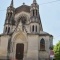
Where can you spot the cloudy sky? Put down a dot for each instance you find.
(49, 13)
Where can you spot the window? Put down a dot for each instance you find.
(33, 28)
(11, 13)
(36, 28)
(8, 29)
(42, 45)
(8, 14)
(33, 12)
(36, 12)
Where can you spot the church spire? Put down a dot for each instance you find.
(11, 3)
(34, 1)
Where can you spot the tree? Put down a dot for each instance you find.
(57, 51)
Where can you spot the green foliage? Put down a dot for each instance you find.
(57, 51)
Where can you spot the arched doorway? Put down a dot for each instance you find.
(19, 46)
(19, 51)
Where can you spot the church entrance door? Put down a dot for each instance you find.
(19, 51)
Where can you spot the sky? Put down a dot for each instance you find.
(49, 13)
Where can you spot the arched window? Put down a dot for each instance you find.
(36, 28)
(33, 28)
(11, 13)
(8, 29)
(36, 12)
(33, 12)
(8, 14)
(42, 45)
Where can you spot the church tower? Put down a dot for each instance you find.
(9, 21)
(35, 21)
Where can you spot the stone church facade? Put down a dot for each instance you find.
(23, 37)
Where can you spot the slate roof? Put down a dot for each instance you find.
(22, 8)
(42, 33)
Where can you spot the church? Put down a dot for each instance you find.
(23, 37)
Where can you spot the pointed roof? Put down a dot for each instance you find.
(11, 3)
(34, 1)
